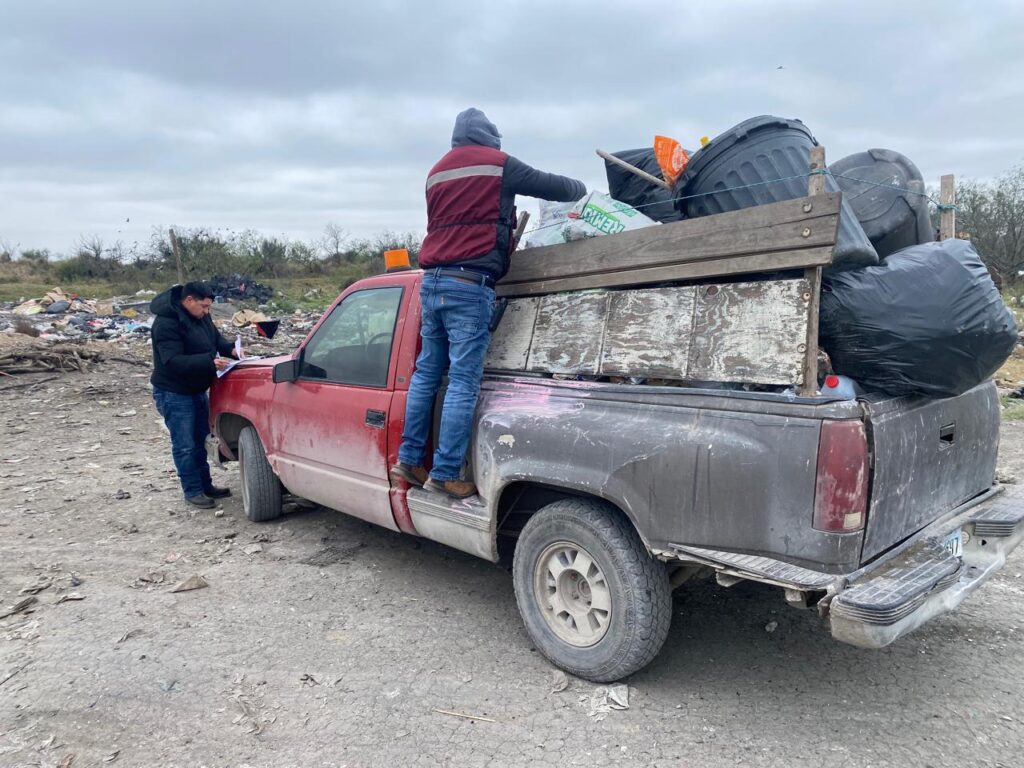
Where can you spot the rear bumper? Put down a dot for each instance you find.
(894, 596)
(903, 588)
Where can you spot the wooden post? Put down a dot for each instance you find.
(947, 215)
(177, 258)
(815, 186)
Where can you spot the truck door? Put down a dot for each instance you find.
(329, 426)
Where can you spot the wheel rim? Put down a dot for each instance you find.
(245, 485)
(573, 594)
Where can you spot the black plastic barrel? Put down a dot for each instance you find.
(895, 214)
(773, 154)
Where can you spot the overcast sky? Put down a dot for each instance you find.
(118, 116)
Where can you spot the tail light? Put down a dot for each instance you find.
(841, 488)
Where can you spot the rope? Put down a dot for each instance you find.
(818, 172)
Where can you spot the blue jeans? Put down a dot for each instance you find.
(454, 327)
(188, 419)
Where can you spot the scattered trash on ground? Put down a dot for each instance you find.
(606, 699)
(69, 597)
(19, 607)
(194, 581)
(464, 716)
(771, 626)
(559, 681)
(43, 582)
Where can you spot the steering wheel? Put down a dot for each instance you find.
(385, 334)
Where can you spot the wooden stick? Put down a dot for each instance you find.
(947, 216)
(634, 170)
(177, 257)
(809, 388)
(524, 218)
(459, 714)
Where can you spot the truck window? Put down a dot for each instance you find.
(353, 346)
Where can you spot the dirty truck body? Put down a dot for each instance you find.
(879, 513)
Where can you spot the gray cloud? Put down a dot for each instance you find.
(287, 116)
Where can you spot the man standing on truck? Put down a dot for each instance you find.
(187, 351)
(471, 217)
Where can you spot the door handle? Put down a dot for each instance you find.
(376, 419)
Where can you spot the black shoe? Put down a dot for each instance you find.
(202, 501)
(217, 493)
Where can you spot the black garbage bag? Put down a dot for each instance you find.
(238, 286)
(654, 201)
(928, 320)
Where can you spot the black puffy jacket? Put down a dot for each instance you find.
(183, 347)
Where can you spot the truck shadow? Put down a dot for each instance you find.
(720, 639)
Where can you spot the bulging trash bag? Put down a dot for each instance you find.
(656, 202)
(928, 320)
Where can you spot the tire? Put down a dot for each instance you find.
(600, 561)
(261, 490)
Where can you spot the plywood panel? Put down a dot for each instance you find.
(510, 343)
(647, 333)
(568, 333)
(750, 332)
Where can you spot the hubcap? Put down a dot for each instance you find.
(572, 593)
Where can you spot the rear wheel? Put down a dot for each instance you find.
(261, 490)
(593, 600)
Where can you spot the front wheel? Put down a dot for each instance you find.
(593, 600)
(261, 489)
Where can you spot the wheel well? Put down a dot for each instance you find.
(229, 427)
(519, 502)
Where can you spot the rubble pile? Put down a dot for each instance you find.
(56, 332)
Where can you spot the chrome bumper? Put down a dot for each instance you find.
(905, 587)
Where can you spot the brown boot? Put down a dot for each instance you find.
(460, 489)
(412, 475)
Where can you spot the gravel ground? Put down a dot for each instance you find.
(323, 641)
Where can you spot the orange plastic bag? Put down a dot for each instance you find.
(671, 157)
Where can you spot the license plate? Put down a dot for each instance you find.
(954, 544)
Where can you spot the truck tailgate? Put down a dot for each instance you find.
(929, 456)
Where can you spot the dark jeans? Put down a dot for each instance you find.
(455, 322)
(188, 419)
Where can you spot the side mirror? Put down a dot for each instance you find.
(286, 371)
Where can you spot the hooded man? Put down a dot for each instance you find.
(470, 223)
(186, 358)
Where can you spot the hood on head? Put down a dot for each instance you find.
(167, 303)
(473, 127)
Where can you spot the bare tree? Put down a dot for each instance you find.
(992, 216)
(91, 246)
(7, 250)
(333, 240)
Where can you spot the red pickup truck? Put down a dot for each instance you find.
(879, 512)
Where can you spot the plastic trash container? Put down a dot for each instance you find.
(892, 218)
(773, 150)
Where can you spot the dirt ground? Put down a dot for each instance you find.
(323, 641)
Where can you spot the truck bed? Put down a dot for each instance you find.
(732, 470)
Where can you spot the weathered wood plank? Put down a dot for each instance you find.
(947, 216)
(647, 333)
(510, 344)
(777, 227)
(568, 333)
(751, 332)
(739, 265)
(809, 379)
